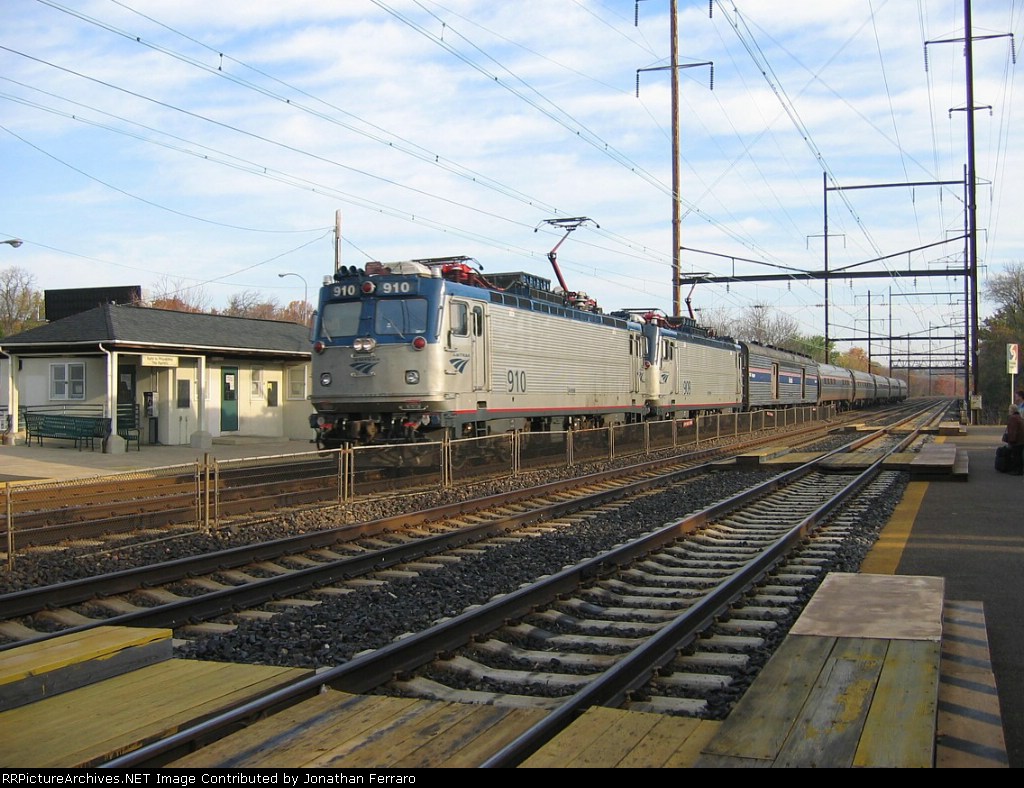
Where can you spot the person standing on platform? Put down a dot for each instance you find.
(1018, 400)
(1015, 440)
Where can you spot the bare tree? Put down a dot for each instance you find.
(251, 304)
(718, 320)
(20, 303)
(767, 326)
(175, 294)
(295, 312)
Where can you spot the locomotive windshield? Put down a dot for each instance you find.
(402, 316)
(340, 319)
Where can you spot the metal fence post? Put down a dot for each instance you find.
(199, 495)
(346, 461)
(446, 460)
(216, 492)
(10, 526)
(206, 491)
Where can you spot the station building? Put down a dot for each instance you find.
(187, 378)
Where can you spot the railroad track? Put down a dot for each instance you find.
(654, 596)
(192, 495)
(204, 587)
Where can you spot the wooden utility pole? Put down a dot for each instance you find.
(677, 219)
(677, 211)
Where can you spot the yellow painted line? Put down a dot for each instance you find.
(888, 550)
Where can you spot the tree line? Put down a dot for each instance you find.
(1005, 326)
(22, 306)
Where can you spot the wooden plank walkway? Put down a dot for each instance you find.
(338, 730)
(616, 739)
(969, 726)
(935, 461)
(49, 667)
(96, 723)
(855, 683)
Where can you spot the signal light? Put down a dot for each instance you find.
(368, 287)
(319, 346)
(419, 343)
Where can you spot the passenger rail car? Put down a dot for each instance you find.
(777, 378)
(409, 349)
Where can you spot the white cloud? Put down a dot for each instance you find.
(562, 129)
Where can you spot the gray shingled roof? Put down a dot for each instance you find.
(116, 324)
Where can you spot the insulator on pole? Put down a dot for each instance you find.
(926, 58)
(712, 85)
(638, 83)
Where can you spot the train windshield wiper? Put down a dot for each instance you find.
(390, 324)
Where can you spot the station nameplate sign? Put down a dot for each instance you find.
(149, 360)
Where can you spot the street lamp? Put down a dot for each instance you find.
(305, 292)
(15, 242)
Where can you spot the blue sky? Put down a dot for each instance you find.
(208, 145)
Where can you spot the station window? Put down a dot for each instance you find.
(184, 393)
(257, 384)
(297, 382)
(67, 381)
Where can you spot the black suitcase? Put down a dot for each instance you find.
(1003, 459)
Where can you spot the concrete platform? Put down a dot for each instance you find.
(21, 463)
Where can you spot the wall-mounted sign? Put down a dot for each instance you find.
(149, 360)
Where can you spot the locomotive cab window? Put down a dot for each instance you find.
(340, 319)
(458, 317)
(401, 317)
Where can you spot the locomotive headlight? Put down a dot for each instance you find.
(325, 378)
(364, 344)
(412, 376)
